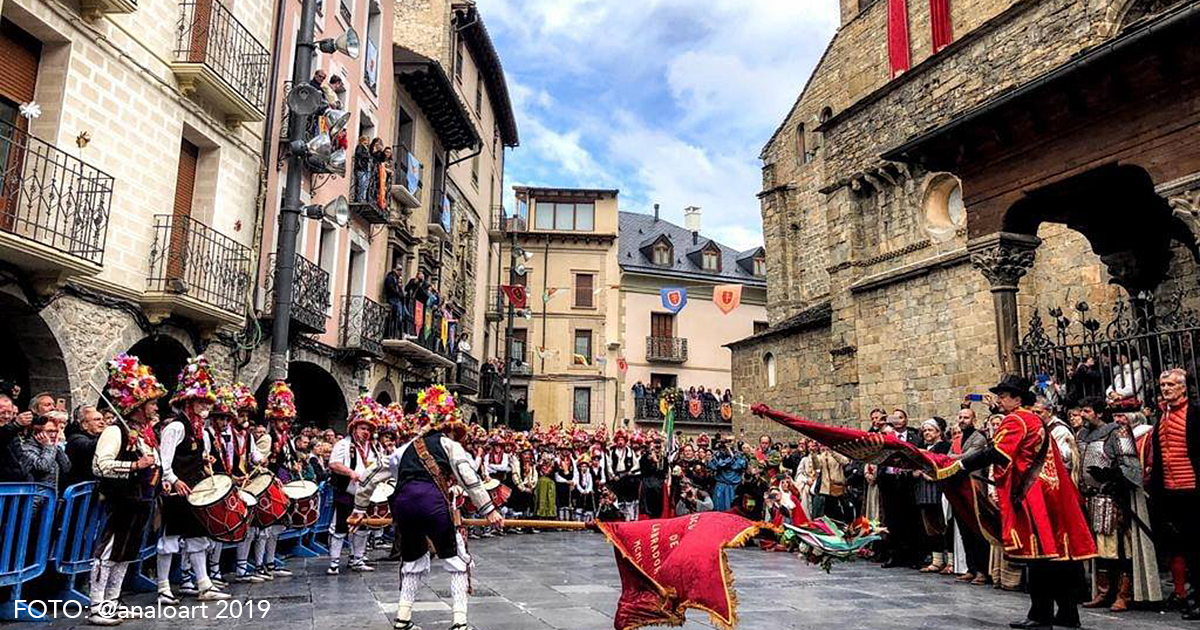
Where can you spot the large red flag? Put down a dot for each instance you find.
(967, 496)
(670, 565)
(516, 294)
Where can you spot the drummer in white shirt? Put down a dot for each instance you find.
(350, 460)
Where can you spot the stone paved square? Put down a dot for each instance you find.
(569, 581)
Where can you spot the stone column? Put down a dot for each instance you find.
(1003, 258)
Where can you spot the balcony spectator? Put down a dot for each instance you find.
(639, 390)
(82, 435)
(362, 169)
(727, 396)
(331, 89)
(393, 293)
(41, 458)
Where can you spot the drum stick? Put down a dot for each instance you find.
(116, 414)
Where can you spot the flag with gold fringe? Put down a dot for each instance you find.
(670, 565)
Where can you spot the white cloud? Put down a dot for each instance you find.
(668, 100)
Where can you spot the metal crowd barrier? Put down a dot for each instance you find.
(38, 531)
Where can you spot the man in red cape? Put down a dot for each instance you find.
(1041, 518)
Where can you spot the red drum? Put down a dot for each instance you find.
(306, 503)
(498, 491)
(272, 502)
(380, 510)
(221, 510)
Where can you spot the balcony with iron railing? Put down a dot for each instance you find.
(521, 365)
(310, 295)
(648, 409)
(497, 308)
(666, 349)
(407, 184)
(501, 224)
(426, 337)
(54, 209)
(196, 272)
(466, 375)
(441, 216)
(491, 384)
(93, 9)
(219, 59)
(363, 326)
(369, 193)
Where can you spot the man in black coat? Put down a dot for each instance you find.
(11, 426)
(393, 292)
(82, 435)
(897, 493)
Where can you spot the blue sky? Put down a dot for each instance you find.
(669, 101)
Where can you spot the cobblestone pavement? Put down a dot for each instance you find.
(568, 581)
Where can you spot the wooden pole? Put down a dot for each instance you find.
(377, 523)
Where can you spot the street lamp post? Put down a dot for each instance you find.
(508, 358)
(290, 209)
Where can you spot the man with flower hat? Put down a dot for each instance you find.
(227, 458)
(242, 450)
(186, 462)
(423, 511)
(127, 467)
(280, 459)
(349, 462)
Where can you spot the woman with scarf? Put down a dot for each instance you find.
(938, 535)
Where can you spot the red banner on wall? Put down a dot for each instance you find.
(897, 36)
(940, 24)
(670, 565)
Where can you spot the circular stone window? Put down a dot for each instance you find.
(943, 206)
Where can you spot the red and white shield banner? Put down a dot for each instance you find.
(516, 294)
(727, 296)
(695, 408)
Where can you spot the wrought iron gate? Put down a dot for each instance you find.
(1119, 360)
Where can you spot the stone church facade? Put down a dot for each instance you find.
(917, 218)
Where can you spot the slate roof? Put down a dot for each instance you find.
(817, 316)
(637, 230)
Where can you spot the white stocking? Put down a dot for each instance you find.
(243, 552)
(200, 569)
(163, 561)
(100, 573)
(459, 582)
(269, 555)
(358, 546)
(116, 578)
(335, 548)
(260, 547)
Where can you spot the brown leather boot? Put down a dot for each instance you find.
(1103, 590)
(1124, 593)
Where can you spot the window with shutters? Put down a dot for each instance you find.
(181, 213)
(712, 260)
(583, 347)
(479, 93)
(584, 292)
(458, 60)
(662, 255)
(20, 53)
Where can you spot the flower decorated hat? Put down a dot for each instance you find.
(281, 402)
(131, 384)
(195, 382)
(227, 402)
(245, 398)
(366, 411)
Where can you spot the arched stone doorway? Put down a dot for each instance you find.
(166, 356)
(384, 398)
(319, 399)
(32, 358)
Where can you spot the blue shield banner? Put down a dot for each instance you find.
(674, 299)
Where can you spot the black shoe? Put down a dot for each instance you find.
(1029, 624)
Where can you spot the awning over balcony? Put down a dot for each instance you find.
(427, 84)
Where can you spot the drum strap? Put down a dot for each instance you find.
(439, 479)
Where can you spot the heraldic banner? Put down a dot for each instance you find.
(670, 565)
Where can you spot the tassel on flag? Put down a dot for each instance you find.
(727, 297)
(516, 294)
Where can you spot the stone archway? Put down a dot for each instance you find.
(166, 357)
(320, 401)
(33, 359)
(384, 392)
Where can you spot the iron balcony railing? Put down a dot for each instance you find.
(521, 365)
(440, 211)
(504, 223)
(491, 383)
(370, 192)
(666, 349)
(648, 407)
(209, 34)
(363, 324)
(191, 258)
(310, 294)
(466, 374)
(51, 197)
(428, 328)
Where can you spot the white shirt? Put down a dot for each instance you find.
(341, 455)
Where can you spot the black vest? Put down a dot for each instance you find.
(412, 469)
(188, 464)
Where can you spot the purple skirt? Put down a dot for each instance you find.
(422, 517)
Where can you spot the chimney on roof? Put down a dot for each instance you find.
(656, 212)
(691, 221)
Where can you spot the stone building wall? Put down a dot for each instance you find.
(803, 385)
